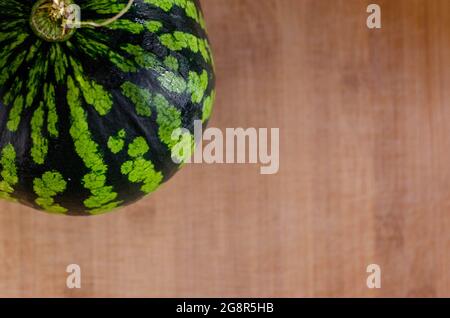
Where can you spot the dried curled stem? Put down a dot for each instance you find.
(109, 21)
(59, 10)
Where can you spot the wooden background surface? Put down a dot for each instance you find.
(364, 178)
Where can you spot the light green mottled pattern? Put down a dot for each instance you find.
(143, 58)
(181, 40)
(103, 6)
(127, 25)
(51, 184)
(208, 105)
(168, 79)
(33, 50)
(116, 143)
(187, 5)
(96, 49)
(140, 170)
(52, 115)
(4, 36)
(7, 50)
(169, 119)
(12, 25)
(39, 146)
(35, 77)
(165, 5)
(105, 208)
(93, 93)
(140, 97)
(172, 82)
(197, 85)
(59, 61)
(12, 68)
(88, 150)
(8, 172)
(9, 67)
(168, 116)
(15, 114)
(11, 94)
(138, 147)
(172, 63)
(153, 26)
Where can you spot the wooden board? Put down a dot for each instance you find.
(364, 176)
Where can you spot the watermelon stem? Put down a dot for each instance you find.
(57, 20)
(49, 19)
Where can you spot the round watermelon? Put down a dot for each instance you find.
(91, 93)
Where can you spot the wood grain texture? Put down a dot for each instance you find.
(364, 177)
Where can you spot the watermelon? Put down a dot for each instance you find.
(88, 110)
